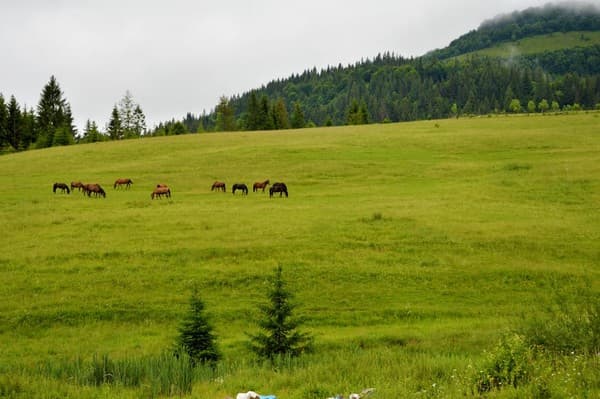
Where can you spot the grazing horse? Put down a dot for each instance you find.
(219, 186)
(120, 182)
(259, 185)
(160, 191)
(94, 188)
(280, 188)
(240, 186)
(76, 185)
(62, 187)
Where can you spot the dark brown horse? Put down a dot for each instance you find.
(219, 186)
(120, 182)
(94, 188)
(76, 185)
(258, 185)
(240, 186)
(280, 188)
(159, 192)
(62, 187)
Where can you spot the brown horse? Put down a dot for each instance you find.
(94, 188)
(76, 185)
(160, 191)
(120, 182)
(258, 185)
(219, 186)
(61, 186)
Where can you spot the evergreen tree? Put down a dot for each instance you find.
(91, 134)
(3, 122)
(279, 335)
(62, 136)
(357, 113)
(139, 121)
(29, 128)
(14, 124)
(280, 115)
(265, 116)
(115, 129)
(252, 118)
(53, 112)
(196, 335)
(298, 121)
(225, 116)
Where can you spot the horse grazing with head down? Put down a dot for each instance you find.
(62, 187)
(258, 185)
(124, 181)
(280, 188)
(240, 186)
(94, 188)
(161, 191)
(76, 185)
(219, 186)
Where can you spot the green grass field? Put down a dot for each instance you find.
(539, 44)
(411, 249)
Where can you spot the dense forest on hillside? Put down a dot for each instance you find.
(391, 89)
(437, 85)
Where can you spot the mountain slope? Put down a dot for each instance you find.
(552, 18)
(559, 62)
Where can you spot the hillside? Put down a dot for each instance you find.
(411, 250)
(533, 45)
(535, 21)
(553, 54)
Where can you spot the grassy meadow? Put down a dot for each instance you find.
(538, 44)
(411, 249)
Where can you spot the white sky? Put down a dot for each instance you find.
(179, 56)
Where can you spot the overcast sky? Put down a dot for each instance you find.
(179, 56)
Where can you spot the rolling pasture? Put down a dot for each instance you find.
(410, 249)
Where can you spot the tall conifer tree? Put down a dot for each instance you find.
(3, 122)
(53, 112)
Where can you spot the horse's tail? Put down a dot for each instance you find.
(68, 191)
(54, 188)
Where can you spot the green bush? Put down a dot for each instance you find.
(509, 364)
(570, 323)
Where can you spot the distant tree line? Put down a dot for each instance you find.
(51, 123)
(393, 89)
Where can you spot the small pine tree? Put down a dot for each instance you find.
(196, 336)
(280, 334)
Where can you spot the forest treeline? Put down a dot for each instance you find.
(387, 88)
(51, 123)
(390, 88)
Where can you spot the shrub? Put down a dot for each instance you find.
(569, 323)
(508, 364)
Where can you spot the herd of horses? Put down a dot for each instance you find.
(280, 188)
(162, 190)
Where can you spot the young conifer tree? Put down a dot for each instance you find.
(279, 335)
(196, 335)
